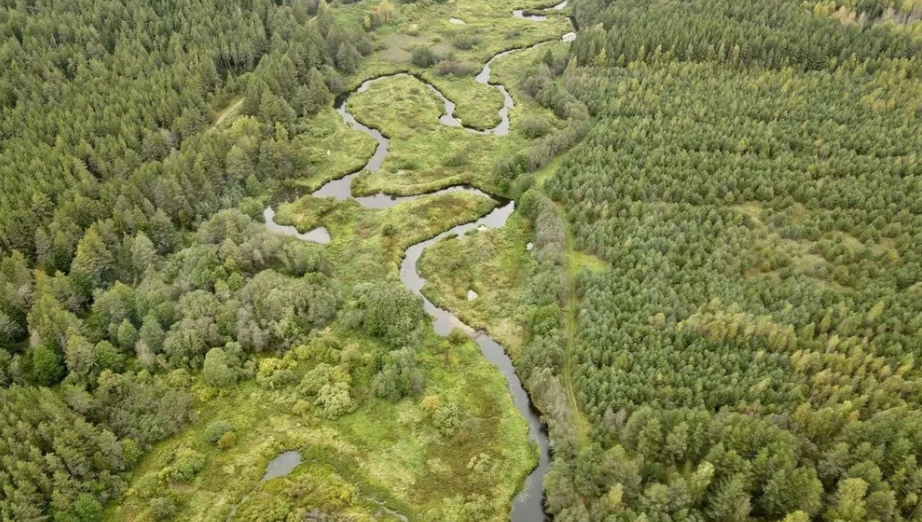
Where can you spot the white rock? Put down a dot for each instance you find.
(457, 21)
(529, 247)
(471, 295)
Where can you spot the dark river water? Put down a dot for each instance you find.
(528, 504)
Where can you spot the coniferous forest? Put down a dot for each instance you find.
(752, 180)
(717, 312)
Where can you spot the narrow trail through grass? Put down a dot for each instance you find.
(572, 325)
(227, 112)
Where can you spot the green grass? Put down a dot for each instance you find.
(489, 22)
(385, 451)
(512, 69)
(493, 263)
(477, 105)
(587, 261)
(489, 26)
(333, 149)
(361, 249)
(424, 155)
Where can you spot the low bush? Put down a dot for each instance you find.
(456, 68)
(217, 429)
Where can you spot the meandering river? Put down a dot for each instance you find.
(528, 505)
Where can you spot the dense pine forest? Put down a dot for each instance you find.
(752, 179)
(717, 312)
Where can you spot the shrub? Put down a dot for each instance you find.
(456, 68)
(301, 408)
(148, 486)
(274, 373)
(447, 418)
(466, 41)
(430, 404)
(218, 370)
(334, 401)
(457, 337)
(322, 375)
(227, 440)
(481, 464)
(186, 465)
(391, 312)
(423, 57)
(252, 208)
(535, 126)
(398, 377)
(217, 429)
(163, 508)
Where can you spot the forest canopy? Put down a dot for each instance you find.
(752, 179)
(121, 275)
(746, 174)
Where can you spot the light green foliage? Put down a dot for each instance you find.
(127, 335)
(162, 508)
(392, 312)
(447, 419)
(731, 502)
(186, 464)
(219, 370)
(216, 430)
(797, 516)
(47, 365)
(333, 400)
(107, 357)
(152, 333)
(274, 373)
(86, 509)
(320, 376)
(329, 387)
(398, 376)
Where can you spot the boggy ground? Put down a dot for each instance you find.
(489, 28)
(424, 155)
(496, 264)
(333, 149)
(382, 453)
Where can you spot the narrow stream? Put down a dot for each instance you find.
(528, 505)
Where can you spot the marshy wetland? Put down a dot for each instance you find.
(428, 145)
